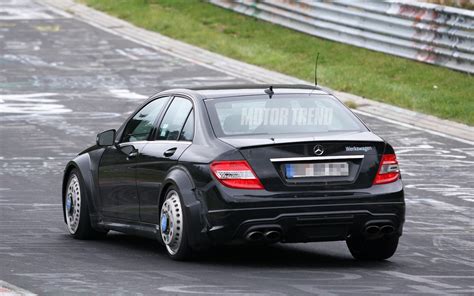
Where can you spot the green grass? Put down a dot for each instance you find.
(405, 83)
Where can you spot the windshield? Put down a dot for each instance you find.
(282, 114)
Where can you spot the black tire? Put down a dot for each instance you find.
(375, 249)
(177, 247)
(84, 229)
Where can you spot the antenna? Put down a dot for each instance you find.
(269, 91)
(316, 70)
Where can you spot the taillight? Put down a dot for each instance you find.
(388, 170)
(235, 174)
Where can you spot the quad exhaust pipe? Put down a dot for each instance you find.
(255, 236)
(387, 229)
(373, 230)
(270, 236)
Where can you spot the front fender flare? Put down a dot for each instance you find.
(84, 165)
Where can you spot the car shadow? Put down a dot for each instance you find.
(311, 255)
(283, 255)
(133, 243)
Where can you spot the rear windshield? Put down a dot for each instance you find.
(282, 114)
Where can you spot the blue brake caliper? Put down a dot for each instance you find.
(68, 203)
(164, 223)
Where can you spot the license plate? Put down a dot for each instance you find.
(305, 170)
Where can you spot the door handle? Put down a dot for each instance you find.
(132, 154)
(170, 152)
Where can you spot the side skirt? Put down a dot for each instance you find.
(131, 227)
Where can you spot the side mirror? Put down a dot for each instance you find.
(106, 138)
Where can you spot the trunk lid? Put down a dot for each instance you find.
(289, 162)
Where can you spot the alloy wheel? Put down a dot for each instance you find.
(171, 222)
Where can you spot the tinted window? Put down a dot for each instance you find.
(187, 133)
(282, 114)
(141, 125)
(174, 119)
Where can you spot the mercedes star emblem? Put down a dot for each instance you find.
(318, 150)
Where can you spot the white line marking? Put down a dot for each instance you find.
(449, 276)
(428, 290)
(419, 279)
(126, 94)
(7, 289)
(130, 56)
(31, 104)
(30, 205)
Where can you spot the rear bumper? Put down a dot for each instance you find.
(303, 220)
(306, 224)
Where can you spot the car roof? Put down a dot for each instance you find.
(218, 91)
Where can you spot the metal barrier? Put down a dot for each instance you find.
(424, 32)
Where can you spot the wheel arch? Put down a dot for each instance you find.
(82, 163)
(180, 177)
(67, 171)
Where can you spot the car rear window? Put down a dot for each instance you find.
(282, 114)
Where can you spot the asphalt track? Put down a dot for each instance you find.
(62, 81)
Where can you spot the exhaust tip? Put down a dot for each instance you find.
(273, 235)
(372, 229)
(254, 236)
(387, 229)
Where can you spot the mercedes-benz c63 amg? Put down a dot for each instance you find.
(239, 164)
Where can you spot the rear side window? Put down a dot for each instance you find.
(174, 119)
(141, 125)
(282, 114)
(187, 133)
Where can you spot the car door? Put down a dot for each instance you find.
(173, 135)
(117, 168)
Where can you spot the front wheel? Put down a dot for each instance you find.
(76, 209)
(375, 249)
(173, 226)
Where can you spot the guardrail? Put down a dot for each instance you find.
(424, 32)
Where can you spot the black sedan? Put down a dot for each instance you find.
(239, 164)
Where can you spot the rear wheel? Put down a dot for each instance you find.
(76, 209)
(375, 249)
(173, 226)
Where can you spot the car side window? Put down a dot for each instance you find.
(187, 133)
(141, 125)
(174, 119)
